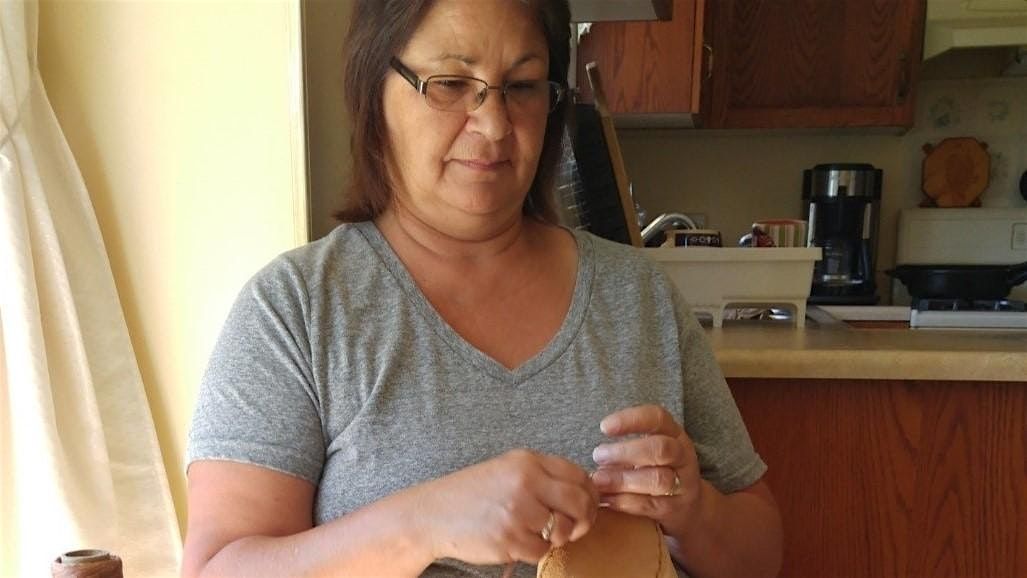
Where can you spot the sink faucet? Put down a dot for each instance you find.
(665, 222)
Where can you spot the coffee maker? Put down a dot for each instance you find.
(841, 203)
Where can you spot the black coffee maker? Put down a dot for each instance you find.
(841, 203)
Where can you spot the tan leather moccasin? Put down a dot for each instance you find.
(618, 546)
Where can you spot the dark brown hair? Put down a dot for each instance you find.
(378, 31)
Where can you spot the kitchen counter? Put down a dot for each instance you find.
(838, 351)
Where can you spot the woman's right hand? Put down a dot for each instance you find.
(494, 512)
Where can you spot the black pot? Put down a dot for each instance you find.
(984, 282)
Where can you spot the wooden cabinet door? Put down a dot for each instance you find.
(647, 67)
(812, 63)
(884, 478)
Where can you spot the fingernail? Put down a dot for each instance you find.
(601, 478)
(600, 454)
(604, 426)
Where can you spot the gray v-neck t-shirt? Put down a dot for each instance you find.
(333, 367)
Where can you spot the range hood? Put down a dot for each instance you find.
(974, 24)
(620, 10)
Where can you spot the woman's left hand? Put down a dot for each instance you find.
(655, 475)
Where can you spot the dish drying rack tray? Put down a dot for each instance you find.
(713, 278)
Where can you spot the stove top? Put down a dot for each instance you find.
(968, 305)
(966, 313)
(965, 236)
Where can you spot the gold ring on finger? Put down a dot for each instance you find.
(675, 489)
(547, 530)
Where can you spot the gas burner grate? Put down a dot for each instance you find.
(969, 305)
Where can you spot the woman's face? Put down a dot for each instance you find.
(460, 172)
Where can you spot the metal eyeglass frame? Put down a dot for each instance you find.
(422, 86)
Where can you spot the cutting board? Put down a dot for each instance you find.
(955, 172)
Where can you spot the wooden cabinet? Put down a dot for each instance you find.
(766, 63)
(647, 68)
(811, 63)
(894, 478)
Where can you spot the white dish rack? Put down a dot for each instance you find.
(714, 278)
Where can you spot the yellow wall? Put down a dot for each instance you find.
(186, 120)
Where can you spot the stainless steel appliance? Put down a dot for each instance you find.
(841, 201)
(620, 10)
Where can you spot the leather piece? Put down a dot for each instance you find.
(618, 545)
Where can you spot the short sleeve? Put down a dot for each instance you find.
(257, 402)
(711, 418)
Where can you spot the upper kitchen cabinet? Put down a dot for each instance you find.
(762, 64)
(649, 69)
(812, 63)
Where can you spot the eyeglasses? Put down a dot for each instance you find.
(455, 93)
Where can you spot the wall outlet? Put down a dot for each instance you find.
(1020, 236)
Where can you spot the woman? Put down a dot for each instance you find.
(426, 390)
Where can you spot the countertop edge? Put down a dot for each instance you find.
(863, 364)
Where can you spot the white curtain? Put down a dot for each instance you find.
(80, 466)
